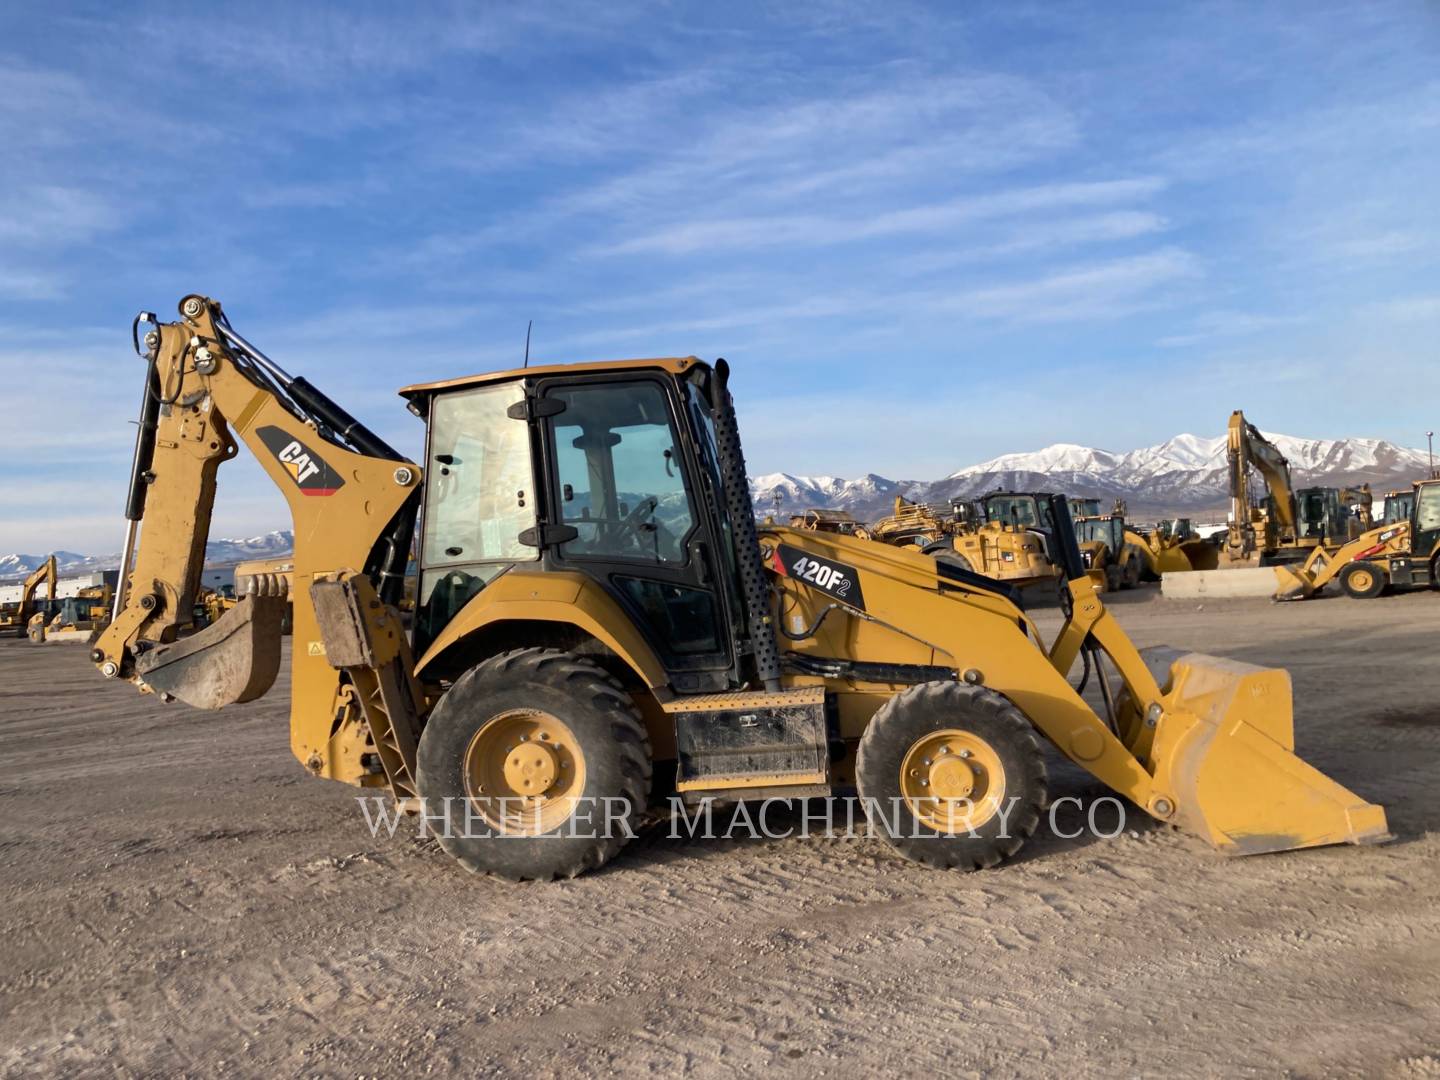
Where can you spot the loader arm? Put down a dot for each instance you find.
(1196, 741)
(352, 503)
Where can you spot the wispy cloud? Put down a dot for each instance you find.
(1212, 325)
(814, 230)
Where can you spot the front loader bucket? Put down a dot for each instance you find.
(1201, 554)
(234, 659)
(1290, 584)
(1225, 747)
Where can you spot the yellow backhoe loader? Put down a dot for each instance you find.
(1290, 523)
(1115, 557)
(596, 605)
(1403, 553)
(15, 621)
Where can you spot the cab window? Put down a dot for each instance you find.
(621, 485)
(479, 498)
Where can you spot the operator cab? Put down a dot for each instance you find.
(613, 474)
(1021, 510)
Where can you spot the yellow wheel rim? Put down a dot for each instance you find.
(524, 771)
(1362, 580)
(952, 780)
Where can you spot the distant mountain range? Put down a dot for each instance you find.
(1183, 475)
(217, 553)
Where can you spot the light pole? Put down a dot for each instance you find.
(1430, 444)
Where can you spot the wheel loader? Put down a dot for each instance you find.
(1004, 535)
(599, 616)
(1402, 553)
(1172, 546)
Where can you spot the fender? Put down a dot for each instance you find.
(559, 597)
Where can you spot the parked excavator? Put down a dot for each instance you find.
(599, 615)
(15, 621)
(1290, 523)
(1401, 553)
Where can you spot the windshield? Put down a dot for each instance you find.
(1099, 530)
(1397, 507)
(622, 484)
(1022, 510)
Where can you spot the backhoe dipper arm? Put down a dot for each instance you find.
(1248, 447)
(352, 502)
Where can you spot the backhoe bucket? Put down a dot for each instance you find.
(1225, 747)
(234, 659)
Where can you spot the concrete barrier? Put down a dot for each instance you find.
(1218, 584)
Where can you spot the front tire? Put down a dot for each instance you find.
(1363, 580)
(534, 765)
(955, 774)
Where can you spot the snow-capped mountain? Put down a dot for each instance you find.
(1186, 474)
(217, 553)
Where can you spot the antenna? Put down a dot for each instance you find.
(528, 327)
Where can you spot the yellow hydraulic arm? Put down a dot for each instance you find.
(44, 573)
(1196, 741)
(352, 502)
(1247, 448)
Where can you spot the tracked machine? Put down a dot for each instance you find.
(15, 621)
(599, 617)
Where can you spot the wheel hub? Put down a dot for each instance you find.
(952, 780)
(524, 770)
(531, 768)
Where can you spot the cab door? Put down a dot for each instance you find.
(622, 478)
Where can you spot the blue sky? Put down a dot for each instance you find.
(924, 235)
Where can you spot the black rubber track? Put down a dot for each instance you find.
(919, 710)
(612, 738)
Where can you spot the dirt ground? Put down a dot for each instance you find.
(176, 895)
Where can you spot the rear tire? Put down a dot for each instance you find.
(944, 551)
(983, 767)
(1363, 580)
(590, 758)
(1113, 578)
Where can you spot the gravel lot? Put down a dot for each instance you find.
(179, 896)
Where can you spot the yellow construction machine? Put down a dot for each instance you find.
(77, 618)
(835, 521)
(1289, 523)
(1401, 553)
(1115, 556)
(599, 618)
(1005, 535)
(15, 621)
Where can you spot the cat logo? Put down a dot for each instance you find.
(307, 468)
